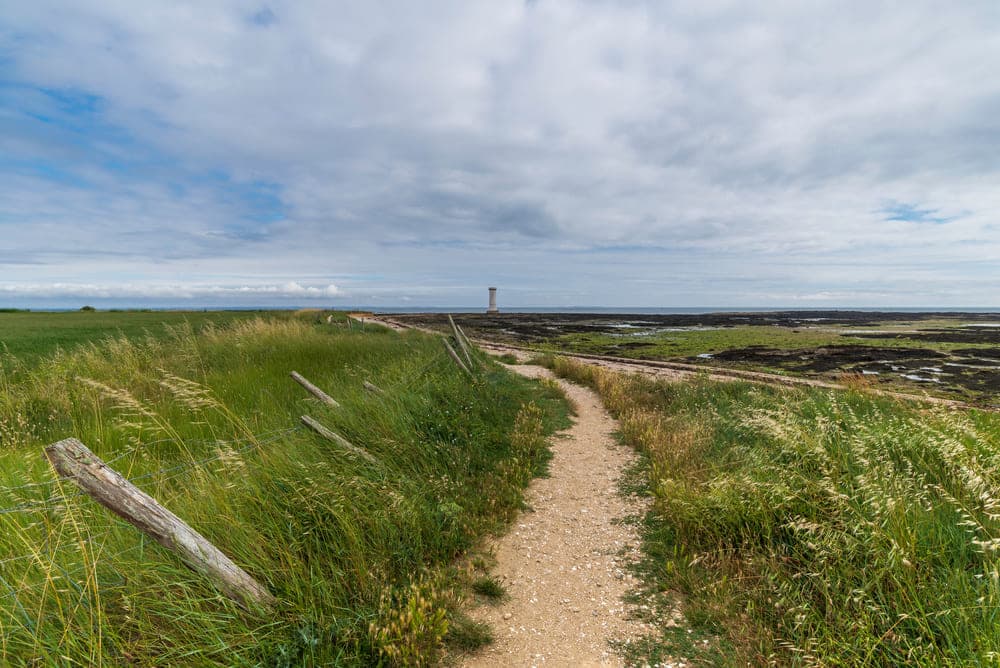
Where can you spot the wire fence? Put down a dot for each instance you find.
(53, 495)
(410, 381)
(16, 580)
(71, 578)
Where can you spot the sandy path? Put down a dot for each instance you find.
(564, 563)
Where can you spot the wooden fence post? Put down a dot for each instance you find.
(454, 356)
(461, 341)
(73, 460)
(470, 344)
(317, 427)
(373, 388)
(315, 391)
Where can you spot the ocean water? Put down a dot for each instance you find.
(607, 310)
(668, 310)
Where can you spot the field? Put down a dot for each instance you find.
(945, 354)
(789, 526)
(29, 336)
(362, 555)
(811, 527)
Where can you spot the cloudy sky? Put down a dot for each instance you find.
(587, 152)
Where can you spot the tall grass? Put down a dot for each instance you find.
(206, 423)
(808, 527)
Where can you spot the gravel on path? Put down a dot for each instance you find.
(565, 563)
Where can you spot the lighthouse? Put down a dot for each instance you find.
(493, 302)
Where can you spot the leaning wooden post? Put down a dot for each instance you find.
(454, 356)
(317, 427)
(73, 460)
(315, 391)
(373, 388)
(469, 343)
(461, 341)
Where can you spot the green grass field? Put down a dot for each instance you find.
(361, 556)
(29, 336)
(682, 344)
(806, 527)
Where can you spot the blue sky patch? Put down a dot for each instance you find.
(912, 213)
(264, 18)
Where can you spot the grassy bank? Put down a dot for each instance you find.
(804, 527)
(28, 336)
(358, 553)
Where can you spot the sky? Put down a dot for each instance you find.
(570, 152)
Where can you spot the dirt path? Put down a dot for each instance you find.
(564, 564)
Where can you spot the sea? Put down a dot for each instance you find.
(673, 310)
(609, 310)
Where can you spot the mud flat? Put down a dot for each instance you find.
(947, 354)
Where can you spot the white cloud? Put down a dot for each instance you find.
(570, 150)
(290, 290)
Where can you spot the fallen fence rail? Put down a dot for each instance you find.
(74, 461)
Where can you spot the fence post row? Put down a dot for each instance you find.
(74, 461)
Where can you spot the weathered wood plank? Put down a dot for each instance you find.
(73, 460)
(454, 356)
(471, 345)
(330, 435)
(461, 341)
(373, 388)
(315, 391)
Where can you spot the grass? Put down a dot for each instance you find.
(692, 342)
(30, 336)
(705, 345)
(203, 417)
(807, 527)
(490, 587)
(467, 635)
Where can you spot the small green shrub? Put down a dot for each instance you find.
(490, 587)
(412, 623)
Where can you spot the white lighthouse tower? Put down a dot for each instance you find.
(493, 302)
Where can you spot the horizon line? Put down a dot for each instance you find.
(508, 309)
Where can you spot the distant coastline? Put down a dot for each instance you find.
(608, 310)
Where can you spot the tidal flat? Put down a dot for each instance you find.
(948, 354)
